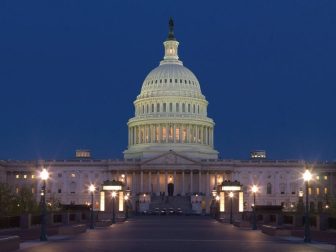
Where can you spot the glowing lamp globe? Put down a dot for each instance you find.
(44, 174)
(307, 176)
(254, 189)
(92, 188)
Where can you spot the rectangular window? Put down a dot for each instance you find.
(158, 107)
(325, 177)
(171, 129)
(317, 177)
(164, 133)
(177, 134)
(152, 108)
(164, 107)
(59, 190)
(188, 108)
(170, 107)
(309, 191)
(317, 191)
(25, 176)
(17, 176)
(184, 135)
(32, 176)
(183, 107)
(325, 190)
(177, 107)
(59, 175)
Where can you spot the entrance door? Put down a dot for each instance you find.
(170, 189)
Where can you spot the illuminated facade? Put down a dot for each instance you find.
(171, 143)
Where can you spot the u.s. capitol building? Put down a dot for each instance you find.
(171, 142)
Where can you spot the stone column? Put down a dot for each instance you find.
(174, 134)
(199, 181)
(183, 192)
(141, 182)
(191, 182)
(150, 181)
(165, 183)
(126, 182)
(158, 183)
(175, 184)
(133, 183)
(207, 184)
(167, 133)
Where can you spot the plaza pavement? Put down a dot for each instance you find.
(172, 234)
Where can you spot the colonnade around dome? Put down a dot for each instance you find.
(171, 133)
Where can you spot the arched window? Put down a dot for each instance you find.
(152, 108)
(194, 110)
(269, 188)
(158, 108)
(183, 107)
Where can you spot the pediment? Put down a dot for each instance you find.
(170, 158)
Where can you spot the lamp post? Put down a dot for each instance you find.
(114, 194)
(126, 206)
(44, 175)
(307, 177)
(217, 206)
(92, 188)
(254, 190)
(231, 217)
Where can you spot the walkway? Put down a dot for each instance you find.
(172, 234)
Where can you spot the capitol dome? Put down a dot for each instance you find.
(170, 112)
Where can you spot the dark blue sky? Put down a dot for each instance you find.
(70, 71)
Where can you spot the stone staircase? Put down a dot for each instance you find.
(175, 202)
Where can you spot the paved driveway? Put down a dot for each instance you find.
(172, 234)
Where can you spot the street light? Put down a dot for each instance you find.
(44, 175)
(307, 177)
(114, 194)
(126, 206)
(92, 188)
(231, 196)
(254, 191)
(217, 206)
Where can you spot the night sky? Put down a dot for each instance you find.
(70, 71)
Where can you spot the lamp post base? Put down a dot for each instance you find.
(43, 237)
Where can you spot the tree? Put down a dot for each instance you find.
(7, 200)
(25, 201)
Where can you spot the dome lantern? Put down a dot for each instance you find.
(171, 46)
